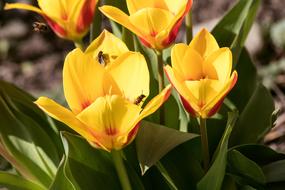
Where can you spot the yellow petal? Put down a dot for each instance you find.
(151, 21)
(135, 5)
(131, 74)
(110, 118)
(221, 93)
(219, 65)
(187, 62)
(179, 84)
(23, 6)
(64, 115)
(155, 103)
(204, 43)
(179, 9)
(176, 6)
(120, 17)
(109, 44)
(54, 9)
(84, 80)
(204, 90)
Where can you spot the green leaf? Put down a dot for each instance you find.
(63, 178)
(254, 103)
(15, 182)
(87, 168)
(255, 120)
(183, 164)
(233, 29)
(275, 171)
(260, 154)
(247, 169)
(153, 141)
(214, 177)
(28, 146)
(128, 38)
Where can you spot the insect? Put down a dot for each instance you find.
(103, 58)
(40, 27)
(139, 99)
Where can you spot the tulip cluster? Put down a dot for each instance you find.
(106, 85)
(105, 88)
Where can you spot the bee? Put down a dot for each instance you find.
(139, 99)
(40, 27)
(103, 58)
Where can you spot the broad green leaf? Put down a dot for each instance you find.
(255, 120)
(214, 177)
(183, 164)
(88, 168)
(254, 103)
(229, 183)
(247, 81)
(247, 169)
(260, 154)
(153, 141)
(15, 182)
(63, 178)
(33, 151)
(275, 171)
(233, 29)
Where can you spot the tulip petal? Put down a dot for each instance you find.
(204, 90)
(155, 103)
(84, 79)
(131, 74)
(151, 21)
(55, 9)
(64, 115)
(135, 5)
(176, 6)
(109, 44)
(187, 62)
(219, 65)
(178, 83)
(204, 43)
(111, 118)
(23, 6)
(166, 37)
(120, 17)
(212, 104)
(85, 15)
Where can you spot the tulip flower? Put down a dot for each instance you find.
(155, 22)
(105, 94)
(68, 19)
(202, 74)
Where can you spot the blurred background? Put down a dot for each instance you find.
(33, 60)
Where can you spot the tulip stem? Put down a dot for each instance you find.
(204, 141)
(121, 170)
(79, 44)
(189, 27)
(160, 78)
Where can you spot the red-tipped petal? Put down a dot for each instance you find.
(86, 16)
(174, 31)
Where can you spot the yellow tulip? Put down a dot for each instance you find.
(69, 19)
(155, 22)
(201, 74)
(105, 94)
